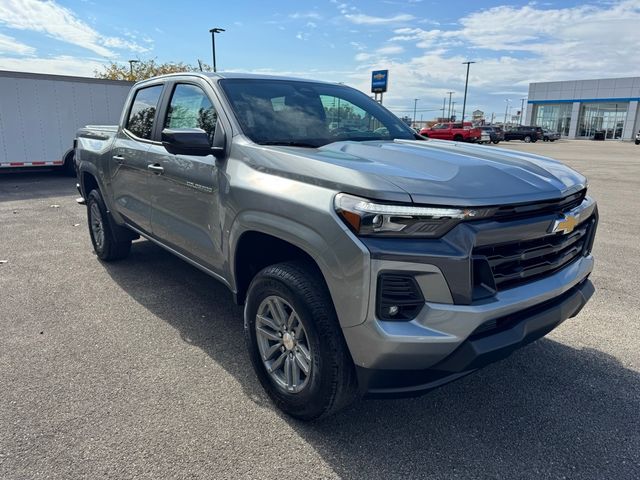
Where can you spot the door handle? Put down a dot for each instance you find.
(156, 168)
(118, 158)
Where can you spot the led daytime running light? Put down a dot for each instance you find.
(409, 211)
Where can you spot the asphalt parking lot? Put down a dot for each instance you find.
(138, 369)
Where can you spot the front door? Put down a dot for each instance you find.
(128, 162)
(185, 212)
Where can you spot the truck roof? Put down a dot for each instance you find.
(239, 75)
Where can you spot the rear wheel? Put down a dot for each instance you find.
(495, 142)
(110, 241)
(457, 138)
(527, 139)
(295, 342)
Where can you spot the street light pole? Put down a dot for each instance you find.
(466, 84)
(131, 62)
(444, 103)
(522, 109)
(505, 111)
(453, 110)
(415, 103)
(449, 111)
(213, 44)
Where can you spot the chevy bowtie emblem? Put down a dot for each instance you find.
(379, 76)
(565, 224)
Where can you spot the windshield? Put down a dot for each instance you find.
(307, 114)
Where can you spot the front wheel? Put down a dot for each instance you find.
(295, 342)
(637, 142)
(495, 142)
(109, 241)
(527, 139)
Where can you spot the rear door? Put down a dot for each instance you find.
(185, 212)
(128, 162)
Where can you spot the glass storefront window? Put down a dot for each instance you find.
(553, 116)
(602, 117)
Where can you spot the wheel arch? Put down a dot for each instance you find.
(259, 239)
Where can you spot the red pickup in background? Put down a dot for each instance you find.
(453, 131)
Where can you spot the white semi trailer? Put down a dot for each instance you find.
(40, 114)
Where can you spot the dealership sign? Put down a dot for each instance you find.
(379, 80)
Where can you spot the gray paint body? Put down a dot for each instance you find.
(288, 192)
(40, 114)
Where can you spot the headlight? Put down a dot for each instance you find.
(368, 218)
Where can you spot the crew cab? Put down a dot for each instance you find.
(369, 260)
(453, 131)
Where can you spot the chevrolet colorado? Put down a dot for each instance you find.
(369, 260)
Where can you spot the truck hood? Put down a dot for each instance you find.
(440, 172)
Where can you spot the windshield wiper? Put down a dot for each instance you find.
(291, 143)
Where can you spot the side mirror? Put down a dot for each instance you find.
(193, 141)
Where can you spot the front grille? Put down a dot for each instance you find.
(400, 292)
(511, 212)
(515, 263)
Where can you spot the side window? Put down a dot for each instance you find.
(191, 108)
(140, 121)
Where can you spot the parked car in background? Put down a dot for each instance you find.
(638, 138)
(549, 136)
(495, 133)
(453, 131)
(526, 134)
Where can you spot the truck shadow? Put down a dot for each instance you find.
(550, 410)
(22, 185)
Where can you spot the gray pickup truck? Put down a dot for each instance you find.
(370, 260)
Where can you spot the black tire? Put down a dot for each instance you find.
(331, 384)
(552, 139)
(115, 241)
(457, 138)
(527, 139)
(495, 142)
(68, 168)
(545, 139)
(637, 142)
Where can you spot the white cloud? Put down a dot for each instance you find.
(11, 46)
(312, 15)
(362, 19)
(390, 50)
(60, 23)
(62, 65)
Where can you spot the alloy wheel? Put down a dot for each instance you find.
(283, 344)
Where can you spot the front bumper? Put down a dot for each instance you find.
(458, 330)
(478, 350)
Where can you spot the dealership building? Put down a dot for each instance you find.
(586, 108)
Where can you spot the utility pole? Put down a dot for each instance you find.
(444, 103)
(213, 44)
(449, 111)
(493, 115)
(131, 62)
(466, 84)
(415, 103)
(522, 109)
(453, 109)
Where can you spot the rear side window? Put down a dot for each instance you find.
(191, 108)
(145, 103)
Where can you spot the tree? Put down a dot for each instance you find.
(145, 69)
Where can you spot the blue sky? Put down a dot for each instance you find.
(421, 42)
